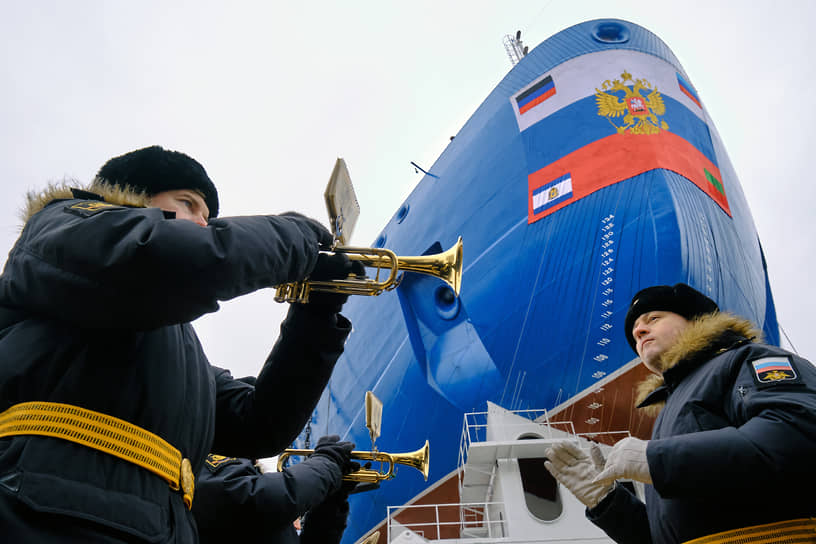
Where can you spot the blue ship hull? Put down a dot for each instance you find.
(556, 242)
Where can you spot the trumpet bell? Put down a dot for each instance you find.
(419, 459)
(446, 266)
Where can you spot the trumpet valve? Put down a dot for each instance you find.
(282, 292)
(302, 292)
(365, 475)
(293, 292)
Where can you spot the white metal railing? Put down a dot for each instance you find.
(439, 522)
(474, 428)
(482, 523)
(514, 47)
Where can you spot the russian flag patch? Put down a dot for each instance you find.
(773, 370)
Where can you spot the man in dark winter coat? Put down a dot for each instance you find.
(108, 405)
(732, 450)
(237, 502)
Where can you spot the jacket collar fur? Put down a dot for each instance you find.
(37, 200)
(707, 336)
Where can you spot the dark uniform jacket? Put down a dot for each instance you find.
(95, 304)
(236, 502)
(734, 445)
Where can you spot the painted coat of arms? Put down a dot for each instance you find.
(641, 105)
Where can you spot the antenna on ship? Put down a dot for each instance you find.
(516, 50)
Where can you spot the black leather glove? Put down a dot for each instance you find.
(339, 452)
(332, 266)
(311, 227)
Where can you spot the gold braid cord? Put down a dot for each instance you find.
(104, 433)
(782, 532)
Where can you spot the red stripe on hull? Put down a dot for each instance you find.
(619, 157)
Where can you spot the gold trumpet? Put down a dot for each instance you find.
(417, 459)
(446, 266)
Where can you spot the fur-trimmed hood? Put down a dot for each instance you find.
(700, 339)
(37, 200)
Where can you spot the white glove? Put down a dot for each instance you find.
(626, 460)
(576, 470)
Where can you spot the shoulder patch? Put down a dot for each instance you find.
(87, 208)
(773, 370)
(214, 462)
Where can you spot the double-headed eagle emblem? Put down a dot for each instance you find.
(640, 112)
(776, 375)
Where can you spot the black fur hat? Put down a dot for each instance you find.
(155, 169)
(678, 298)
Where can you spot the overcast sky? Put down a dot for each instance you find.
(266, 95)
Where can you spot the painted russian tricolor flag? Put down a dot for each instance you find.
(535, 95)
(688, 90)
